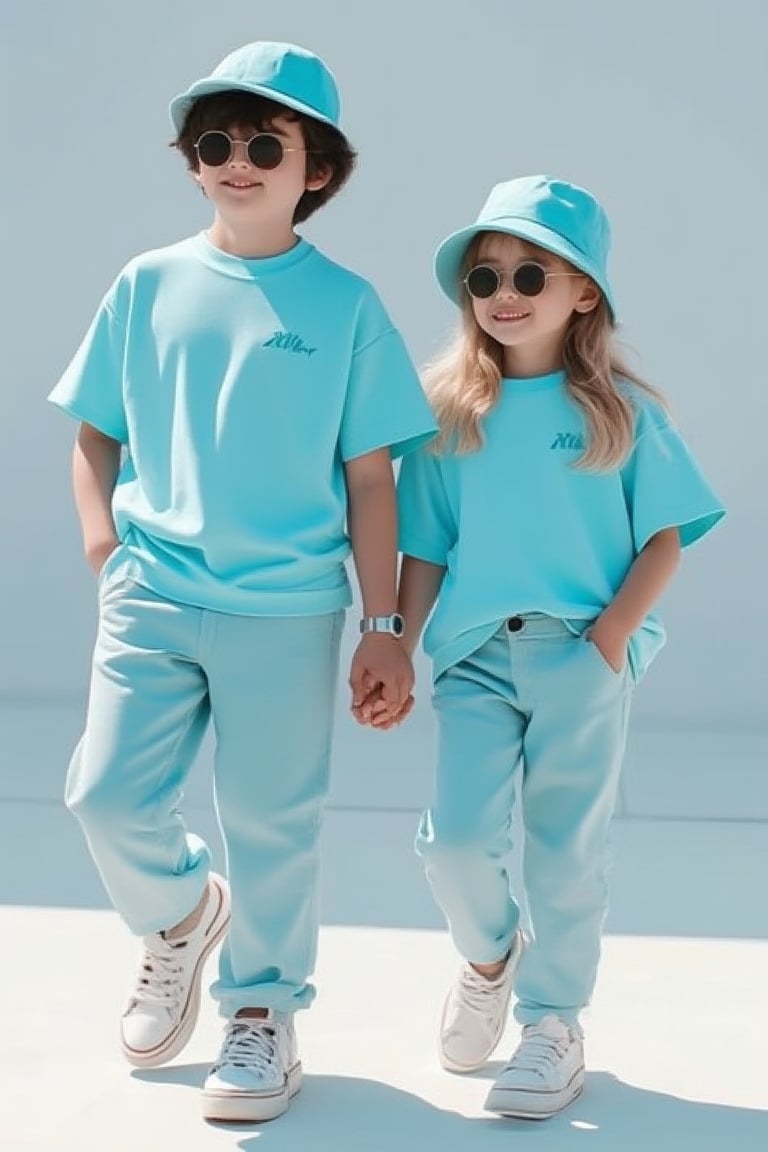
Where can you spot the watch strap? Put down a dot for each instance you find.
(392, 624)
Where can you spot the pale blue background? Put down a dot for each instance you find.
(658, 107)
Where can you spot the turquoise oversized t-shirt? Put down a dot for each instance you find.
(239, 389)
(520, 529)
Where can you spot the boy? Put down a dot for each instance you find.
(240, 397)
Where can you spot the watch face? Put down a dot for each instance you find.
(397, 624)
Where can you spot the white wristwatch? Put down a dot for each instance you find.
(393, 624)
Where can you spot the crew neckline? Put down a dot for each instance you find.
(245, 267)
(523, 384)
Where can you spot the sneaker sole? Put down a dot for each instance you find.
(447, 1061)
(250, 1107)
(517, 1104)
(177, 1041)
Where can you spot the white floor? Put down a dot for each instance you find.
(677, 1049)
(676, 1038)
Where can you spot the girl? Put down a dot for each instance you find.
(545, 525)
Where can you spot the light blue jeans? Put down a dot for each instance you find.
(541, 708)
(161, 671)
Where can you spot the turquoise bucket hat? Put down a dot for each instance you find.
(282, 72)
(557, 216)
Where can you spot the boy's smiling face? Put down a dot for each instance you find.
(248, 198)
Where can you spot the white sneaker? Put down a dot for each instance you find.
(475, 1014)
(545, 1073)
(257, 1072)
(163, 1010)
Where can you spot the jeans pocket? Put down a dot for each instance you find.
(602, 660)
(108, 568)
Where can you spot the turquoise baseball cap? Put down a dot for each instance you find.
(282, 72)
(556, 215)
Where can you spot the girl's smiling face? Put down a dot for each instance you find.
(530, 329)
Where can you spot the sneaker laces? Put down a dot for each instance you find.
(160, 975)
(248, 1044)
(539, 1051)
(478, 992)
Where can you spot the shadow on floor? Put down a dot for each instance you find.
(346, 1114)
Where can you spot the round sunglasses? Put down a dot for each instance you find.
(264, 150)
(528, 279)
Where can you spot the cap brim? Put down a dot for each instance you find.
(180, 105)
(450, 255)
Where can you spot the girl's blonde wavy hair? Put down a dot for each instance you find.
(464, 383)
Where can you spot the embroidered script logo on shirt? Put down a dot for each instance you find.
(573, 440)
(288, 342)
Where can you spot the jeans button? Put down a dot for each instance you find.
(515, 624)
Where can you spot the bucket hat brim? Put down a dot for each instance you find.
(180, 106)
(450, 255)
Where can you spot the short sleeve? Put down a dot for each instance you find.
(385, 405)
(663, 484)
(91, 388)
(427, 525)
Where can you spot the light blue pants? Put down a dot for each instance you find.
(541, 708)
(161, 671)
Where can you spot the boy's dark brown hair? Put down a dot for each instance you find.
(327, 148)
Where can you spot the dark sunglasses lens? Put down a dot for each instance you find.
(214, 149)
(529, 279)
(482, 282)
(265, 151)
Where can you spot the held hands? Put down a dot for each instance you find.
(381, 679)
(375, 711)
